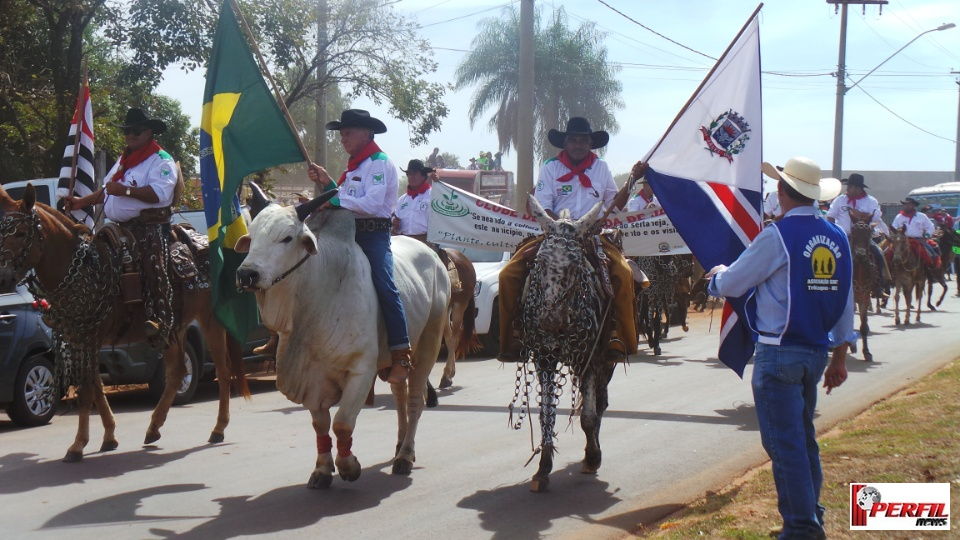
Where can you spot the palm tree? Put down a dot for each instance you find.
(571, 77)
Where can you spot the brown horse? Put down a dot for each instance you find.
(908, 273)
(460, 333)
(80, 276)
(866, 275)
(937, 273)
(948, 242)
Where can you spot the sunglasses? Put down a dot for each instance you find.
(135, 131)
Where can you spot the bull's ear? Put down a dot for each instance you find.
(29, 198)
(309, 243)
(243, 244)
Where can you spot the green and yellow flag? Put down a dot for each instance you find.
(243, 131)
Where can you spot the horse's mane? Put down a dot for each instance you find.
(61, 219)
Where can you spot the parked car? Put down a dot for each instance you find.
(487, 265)
(138, 363)
(28, 389)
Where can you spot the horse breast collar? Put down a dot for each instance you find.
(10, 223)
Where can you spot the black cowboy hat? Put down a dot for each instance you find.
(578, 125)
(855, 179)
(415, 165)
(910, 200)
(136, 117)
(357, 118)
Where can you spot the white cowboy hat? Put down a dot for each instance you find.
(803, 175)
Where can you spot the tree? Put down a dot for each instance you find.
(370, 50)
(571, 76)
(450, 161)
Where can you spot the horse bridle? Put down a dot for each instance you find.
(10, 223)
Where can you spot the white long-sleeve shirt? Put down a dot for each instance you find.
(414, 213)
(370, 190)
(571, 195)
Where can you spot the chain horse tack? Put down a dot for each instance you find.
(75, 278)
(565, 326)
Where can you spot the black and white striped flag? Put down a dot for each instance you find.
(84, 184)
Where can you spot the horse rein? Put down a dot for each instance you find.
(10, 223)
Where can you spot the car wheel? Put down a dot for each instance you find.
(491, 340)
(188, 387)
(36, 396)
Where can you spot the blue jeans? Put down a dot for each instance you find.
(376, 246)
(785, 382)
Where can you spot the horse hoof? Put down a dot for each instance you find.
(402, 466)
(867, 357)
(432, 399)
(588, 468)
(215, 438)
(320, 481)
(152, 437)
(73, 457)
(657, 351)
(445, 383)
(108, 446)
(539, 484)
(685, 328)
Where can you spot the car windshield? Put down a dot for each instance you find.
(17, 194)
(948, 201)
(482, 255)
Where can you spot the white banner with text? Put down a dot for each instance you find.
(460, 218)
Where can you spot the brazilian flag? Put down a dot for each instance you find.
(242, 132)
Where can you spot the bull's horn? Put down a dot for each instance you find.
(259, 200)
(546, 222)
(304, 210)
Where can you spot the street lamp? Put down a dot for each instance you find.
(842, 89)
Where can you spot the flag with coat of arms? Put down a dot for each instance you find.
(705, 171)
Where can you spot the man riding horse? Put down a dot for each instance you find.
(856, 198)
(576, 180)
(137, 194)
(918, 227)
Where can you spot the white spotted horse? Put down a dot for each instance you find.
(566, 321)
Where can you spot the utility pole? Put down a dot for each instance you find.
(525, 116)
(841, 79)
(320, 144)
(956, 165)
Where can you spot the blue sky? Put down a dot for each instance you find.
(799, 48)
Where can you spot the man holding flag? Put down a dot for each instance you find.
(801, 271)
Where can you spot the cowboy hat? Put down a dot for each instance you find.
(803, 175)
(136, 117)
(357, 118)
(855, 179)
(578, 125)
(415, 165)
(910, 200)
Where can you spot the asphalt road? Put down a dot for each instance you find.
(678, 425)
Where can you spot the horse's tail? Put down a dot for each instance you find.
(238, 374)
(468, 342)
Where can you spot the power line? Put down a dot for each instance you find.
(500, 6)
(902, 118)
(638, 23)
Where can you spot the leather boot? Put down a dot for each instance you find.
(401, 364)
(269, 348)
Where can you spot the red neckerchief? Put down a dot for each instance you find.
(908, 216)
(564, 157)
(419, 191)
(855, 199)
(370, 149)
(644, 196)
(132, 158)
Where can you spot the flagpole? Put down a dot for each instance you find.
(273, 85)
(705, 79)
(81, 116)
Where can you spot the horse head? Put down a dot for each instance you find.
(19, 237)
(559, 264)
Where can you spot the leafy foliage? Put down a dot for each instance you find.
(571, 76)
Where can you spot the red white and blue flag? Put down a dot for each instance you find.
(84, 184)
(706, 173)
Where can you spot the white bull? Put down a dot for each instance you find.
(314, 289)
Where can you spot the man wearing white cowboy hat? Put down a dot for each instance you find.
(575, 180)
(798, 272)
(368, 188)
(137, 194)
